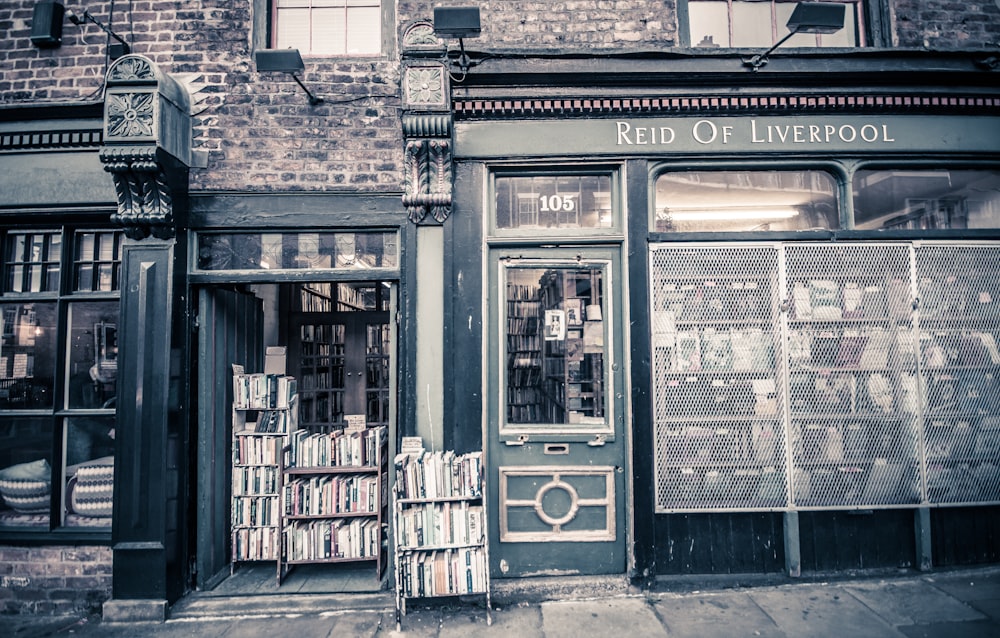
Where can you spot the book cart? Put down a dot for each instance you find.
(440, 522)
(264, 412)
(334, 498)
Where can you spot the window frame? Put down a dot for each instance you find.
(873, 22)
(265, 34)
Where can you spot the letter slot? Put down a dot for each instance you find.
(557, 448)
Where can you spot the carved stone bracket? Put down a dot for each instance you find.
(147, 145)
(427, 177)
(145, 202)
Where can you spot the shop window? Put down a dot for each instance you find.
(58, 378)
(761, 23)
(547, 202)
(745, 201)
(297, 251)
(935, 199)
(328, 27)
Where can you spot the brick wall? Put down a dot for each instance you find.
(54, 580)
(946, 24)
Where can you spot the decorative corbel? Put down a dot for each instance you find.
(147, 145)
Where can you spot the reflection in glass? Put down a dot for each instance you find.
(27, 355)
(744, 201)
(97, 261)
(93, 355)
(89, 488)
(25, 472)
(554, 201)
(927, 199)
(297, 251)
(555, 346)
(31, 262)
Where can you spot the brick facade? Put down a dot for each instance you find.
(54, 580)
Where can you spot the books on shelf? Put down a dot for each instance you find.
(263, 391)
(340, 448)
(328, 495)
(447, 572)
(439, 475)
(329, 539)
(440, 524)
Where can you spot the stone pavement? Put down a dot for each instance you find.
(956, 604)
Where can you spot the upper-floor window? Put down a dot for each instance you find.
(761, 23)
(328, 27)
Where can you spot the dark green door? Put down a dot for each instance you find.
(556, 437)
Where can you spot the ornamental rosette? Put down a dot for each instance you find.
(425, 85)
(130, 114)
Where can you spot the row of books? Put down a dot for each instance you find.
(255, 511)
(255, 480)
(332, 539)
(255, 543)
(831, 300)
(711, 349)
(326, 495)
(439, 475)
(263, 391)
(438, 524)
(257, 450)
(450, 572)
(276, 421)
(340, 448)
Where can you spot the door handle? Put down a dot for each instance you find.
(597, 441)
(521, 440)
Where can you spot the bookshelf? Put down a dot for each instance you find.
(334, 498)
(265, 408)
(440, 527)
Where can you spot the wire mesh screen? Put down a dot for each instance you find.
(835, 375)
(853, 417)
(959, 318)
(717, 389)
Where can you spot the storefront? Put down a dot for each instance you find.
(732, 327)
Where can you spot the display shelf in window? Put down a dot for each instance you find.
(265, 411)
(334, 498)
(440, 527)
(524, 354)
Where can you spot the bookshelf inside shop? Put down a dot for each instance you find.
(334, 504)
(440, 527)
(264, 412)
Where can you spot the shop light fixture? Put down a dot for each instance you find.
(284, 61)
(730, 214)
(115, 51)
(461, 23)
(807, 17)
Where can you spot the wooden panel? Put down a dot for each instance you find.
(842, 540)
(965, 535)
(721, 543)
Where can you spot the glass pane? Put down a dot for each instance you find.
(32, 262)
(90, 472)
(752, 26)
(27, 355)
(555, 346)
(742, 201)
(25, 472)
(297, 251)
(927, 199)
(329, 31)
(98, 261)
(709, 24)
(93, 355)
(292, 30)
(554, 201)
(364, 30)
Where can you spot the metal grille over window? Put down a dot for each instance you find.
(717, 390)
(852, 394)
(959, 315)
(858, 375)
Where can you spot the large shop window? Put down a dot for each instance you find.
(328, 27)
(58, 378)
(761, 23)
(937, 199)
(743, 201)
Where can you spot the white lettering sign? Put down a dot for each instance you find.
(710, 132)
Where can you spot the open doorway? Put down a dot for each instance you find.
(340, 346)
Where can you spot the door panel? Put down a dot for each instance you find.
(230, 331)
(556, 440)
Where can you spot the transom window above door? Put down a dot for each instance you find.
(328, 27)
(761, 23)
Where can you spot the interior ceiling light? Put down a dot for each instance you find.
(284, 61)
(807, 17)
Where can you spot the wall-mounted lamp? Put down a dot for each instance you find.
(461, 23)
(286, 61)
(46, 24)
(807, 17)
(115, 51)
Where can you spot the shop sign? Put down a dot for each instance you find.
(765, 134)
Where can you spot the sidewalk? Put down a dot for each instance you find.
(959, 604)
